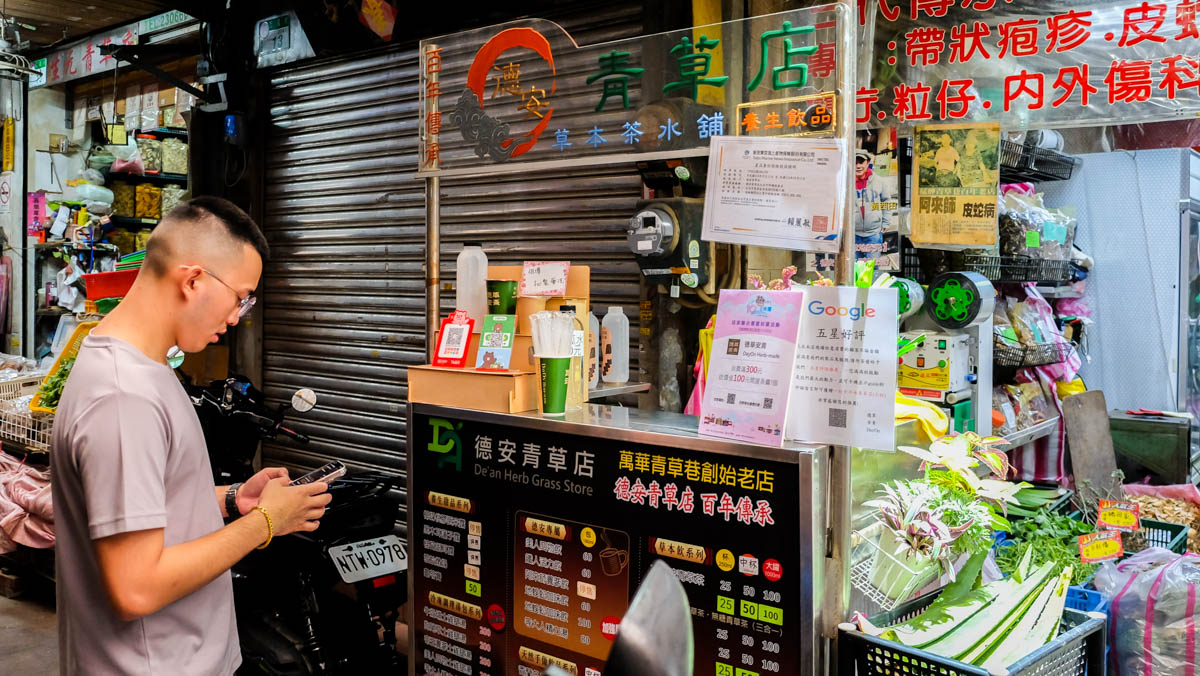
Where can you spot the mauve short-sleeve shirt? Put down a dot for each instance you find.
(128, 455)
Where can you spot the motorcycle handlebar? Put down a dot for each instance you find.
(302, 438)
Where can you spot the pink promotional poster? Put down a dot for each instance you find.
(749, 374)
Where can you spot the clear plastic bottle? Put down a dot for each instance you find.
(614, 340)
(593, 352)
(470, 282)
(577, 392)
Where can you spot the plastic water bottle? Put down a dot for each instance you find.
(593, 352)
(577, 391)
(614, 341)
(470, 283)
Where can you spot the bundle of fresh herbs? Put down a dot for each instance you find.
(51, 390)
(951, 512)
(1053, 539)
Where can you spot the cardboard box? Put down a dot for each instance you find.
(496, 391)
(167, 96)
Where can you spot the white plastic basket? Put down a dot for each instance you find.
(33, 430)
(23, 426)
(20, 387)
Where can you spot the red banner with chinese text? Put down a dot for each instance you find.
(1025, 63)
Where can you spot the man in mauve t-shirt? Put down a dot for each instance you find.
(143, 554)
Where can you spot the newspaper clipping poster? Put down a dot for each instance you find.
(955, 186)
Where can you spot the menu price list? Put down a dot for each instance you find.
(736, 606)
(520, 566)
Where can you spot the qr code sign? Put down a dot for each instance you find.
(731, 398)
(837, 418)
(820, 224)
(768, 403)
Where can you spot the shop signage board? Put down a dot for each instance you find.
(1028, 63)
(844, 381)
(754, 345)
(775, 192)
(526, 91)
(81, 59)
(956, 181)
(530, 537)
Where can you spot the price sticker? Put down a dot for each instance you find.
(1117, 515)
(544, 278)
(1102, 546)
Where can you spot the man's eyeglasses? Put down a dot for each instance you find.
(244, 304)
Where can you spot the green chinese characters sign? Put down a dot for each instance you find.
(526, 91)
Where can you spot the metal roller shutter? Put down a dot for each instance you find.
(344, 290)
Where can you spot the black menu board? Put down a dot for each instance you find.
(529, 539)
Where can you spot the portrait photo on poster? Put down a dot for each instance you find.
(876, 196)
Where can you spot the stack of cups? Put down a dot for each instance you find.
(552, 333)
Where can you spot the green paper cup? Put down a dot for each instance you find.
(501, 297)
(554, 373)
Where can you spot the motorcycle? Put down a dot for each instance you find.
(320, 603)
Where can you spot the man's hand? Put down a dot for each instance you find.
(251, 491)
(294, 508)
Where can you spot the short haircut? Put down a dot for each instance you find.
(233, 222)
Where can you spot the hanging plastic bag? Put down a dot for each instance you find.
(127, 159)
(1154, 613)
(94, 193)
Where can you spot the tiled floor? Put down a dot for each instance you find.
(28, 637)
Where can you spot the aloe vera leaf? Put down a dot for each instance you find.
(1002, 631)
(939, 619)
(1036, 628)
(1022, 571)
(974, 629)
(945, 611)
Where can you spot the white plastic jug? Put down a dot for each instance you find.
(470, 283)
(593, 351)
(614, 340)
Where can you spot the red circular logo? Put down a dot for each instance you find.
(772, 570)
(609, 626)
(496, 617)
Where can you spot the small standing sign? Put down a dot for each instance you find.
(454, 340)
(496, 342)
(1119, 515)
(544, 278)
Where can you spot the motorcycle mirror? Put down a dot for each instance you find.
(304, 400)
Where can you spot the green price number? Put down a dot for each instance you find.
(724, 669)
(746, 672)
(770, 614)
(725, 605)
(750, 610)
(474, 588)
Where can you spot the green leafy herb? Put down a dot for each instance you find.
(1053, 538)
(51, 390)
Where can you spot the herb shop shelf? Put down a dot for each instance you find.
(156, 178)
(1033, 432)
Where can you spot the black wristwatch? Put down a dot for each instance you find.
(231, 507)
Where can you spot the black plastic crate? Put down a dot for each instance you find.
(924, 265)
(1030, 355)
(1017, 268)
(1020, 163)
(1078, 650)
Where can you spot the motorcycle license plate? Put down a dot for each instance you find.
(370, 558)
